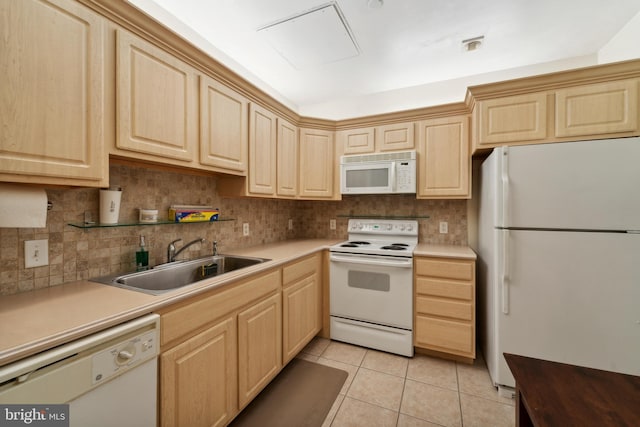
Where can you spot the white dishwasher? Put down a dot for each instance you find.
(107, 379)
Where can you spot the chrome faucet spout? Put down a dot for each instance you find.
(172, 254)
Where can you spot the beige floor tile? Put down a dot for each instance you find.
(306, 356)
(354, 413)
(430, 403)
(377, 388)
(407, 421)
(345, 353)
(434, 371)
(316, 346)
(474, 379)
(333, 411)
(385, 362)
(479, 412)
(351, 370)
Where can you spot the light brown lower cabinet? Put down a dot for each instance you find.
(301, 304)
(198, 378)
(221, 348)
(259, 347)
(218, 350)
(445, 306)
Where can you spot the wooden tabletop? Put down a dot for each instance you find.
(558, 394)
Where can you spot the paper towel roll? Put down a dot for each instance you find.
(22, 206)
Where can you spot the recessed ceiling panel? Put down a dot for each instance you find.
(315, 37)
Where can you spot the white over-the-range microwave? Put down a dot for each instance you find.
(384, 173)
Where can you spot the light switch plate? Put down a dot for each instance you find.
(332, 224)
(36, 253)
(245, 229)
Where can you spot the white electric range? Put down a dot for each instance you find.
(371, 284)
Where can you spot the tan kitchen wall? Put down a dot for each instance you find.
(80, 254)
(315, 216)
(76, 254)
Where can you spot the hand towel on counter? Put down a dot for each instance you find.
(22, 206)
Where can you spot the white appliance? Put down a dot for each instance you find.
(107, 379)
(371, 285)
(384, 173)
(559, 255)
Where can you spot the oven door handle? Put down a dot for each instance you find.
(379, 261)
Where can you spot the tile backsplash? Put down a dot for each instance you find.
(76, 254)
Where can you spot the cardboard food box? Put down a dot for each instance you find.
(193, 213)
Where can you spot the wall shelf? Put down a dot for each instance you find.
(416, 217)
(86, 226)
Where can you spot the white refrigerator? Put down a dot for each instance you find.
(559, 255)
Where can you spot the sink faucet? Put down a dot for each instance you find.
(171, 249)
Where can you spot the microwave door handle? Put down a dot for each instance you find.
(393, 177)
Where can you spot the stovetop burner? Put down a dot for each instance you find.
(394, 247)
(392, 238)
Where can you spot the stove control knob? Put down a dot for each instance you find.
(409, 227)
(402, 227)
(389, 226)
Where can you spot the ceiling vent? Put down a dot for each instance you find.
(314, 37)
(470, 45)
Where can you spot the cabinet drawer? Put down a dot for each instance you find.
(443, 267)
(444, 308)
(178, 322)
(299, 269)
(444, 335)
(444, 288)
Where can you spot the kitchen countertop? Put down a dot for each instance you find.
(444, 251)
(35, 321)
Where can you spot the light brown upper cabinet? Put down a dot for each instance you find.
(287, 164)
(157, 104)
(262, 151)
(317, 164)
(357, 141)
(595, 109)
(395, 137)
(223, 127)
(444, 163)
(52, 91)
(511, 119)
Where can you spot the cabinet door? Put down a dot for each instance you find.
(597, 109)
(357, 141)
(316, 164)
(259, 347)
(287, 164)
(223, 127)
(512, 119)
(198, 384)
(262, 151)
(444, 161)
(157, 103)
(396, 137)
(52, 91)
(301, 321)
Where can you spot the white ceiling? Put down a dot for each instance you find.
(403, 44)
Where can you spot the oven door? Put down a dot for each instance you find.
(368, 178)
(376, 289)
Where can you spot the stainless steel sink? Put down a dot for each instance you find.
(174, 275)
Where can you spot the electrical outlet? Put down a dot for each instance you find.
(332, 224)
(444, 227)
(290, 224)
(245, 229)
(36, 253)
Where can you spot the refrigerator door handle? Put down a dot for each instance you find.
(505, 271)
(504, 177)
